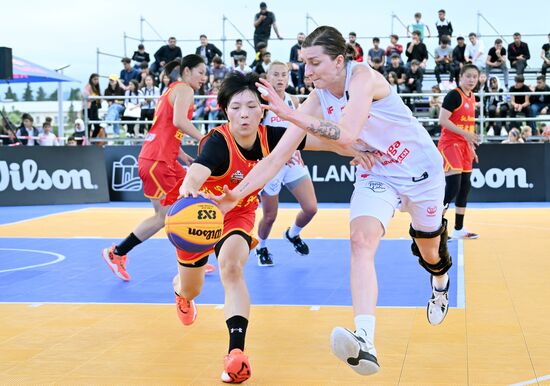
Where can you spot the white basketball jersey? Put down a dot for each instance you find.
(271, 119)
(401, 144)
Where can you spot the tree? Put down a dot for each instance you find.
(75, 94)
(11, 95)
(72, 115)
(40, 94)
(53, 96)
(27, 94)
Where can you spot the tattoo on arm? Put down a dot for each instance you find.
(242, 187)
(325, 129)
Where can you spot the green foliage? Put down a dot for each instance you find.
(75, 94)
(27, 94)
(40, 94)
(53, 96)
(71, 115)
(11, 95)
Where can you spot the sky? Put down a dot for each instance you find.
(57, 33)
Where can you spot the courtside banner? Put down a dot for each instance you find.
(37, 175)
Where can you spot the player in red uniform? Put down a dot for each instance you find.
(158, 164)
(457, 145)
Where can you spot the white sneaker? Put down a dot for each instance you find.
(355, 350)
(438, 305)
(503, 132)
(463, 234)
(491, 132)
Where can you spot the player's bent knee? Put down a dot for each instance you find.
(364, 241)
(230, 271)
(445, 262)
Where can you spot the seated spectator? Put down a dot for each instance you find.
(482, 84)
(526, 134)
(261, 50)
(144, 71)
(27, 133)
(416, 50)
(7, 135)
(419, 26)
(127, 73)
(545, 56)
(442, 56)
(150, 93)
(242, 67)
(79, 132)
(165, 54)
(475, 52)
(140, 56)
(414, 78)
(237, 52)
(358, 49)
(496, 106)
(518, 54)
(164, 83)
(47, 138)
(458, 58)
(496, 59)
(378, 65)
(539, 104)
(218, 71)
(207, 50)
(396, 67)
(132, 108)
(519, 103)
(307, 88)
(435, 102)
(545, 132)
(393, 48)
(116, 106)
(71, 141)
(212, 108)
(514, 136)
(376, 52)
(393, 81)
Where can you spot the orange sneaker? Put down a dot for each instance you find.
(116, 263)
(187, 310)
(209, 268)
(236, 367)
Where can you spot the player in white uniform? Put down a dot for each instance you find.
(354, 106)
(293, 175)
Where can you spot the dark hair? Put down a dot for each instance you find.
(517, 34)
(445, 39)
(143, 65)
(140, 46)
(216, 59)
(136, 86)
(519, 79)
(189, 61)
(418, 14)
(472, 34)
(498, 41)
(376, 40)
(171, 37)
(377, 60)
(236, 83)
(396, 37)
(126, 60)
(203, 36)
(416, 32)
(239, 41)
(441, 10)
(467, 67)
(27, 116)
(95, 87)
(331, 40)
(353, 34)
(541, 77)
(47, 124)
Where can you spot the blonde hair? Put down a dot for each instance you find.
(276, 63)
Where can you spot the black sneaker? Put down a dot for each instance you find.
(299, 246)
(264, 257)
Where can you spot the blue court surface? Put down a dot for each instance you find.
(37, 270)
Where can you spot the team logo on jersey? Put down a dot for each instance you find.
(466, 105)
(431, 211)
(377, 187)
(330, 110)
(236, 177)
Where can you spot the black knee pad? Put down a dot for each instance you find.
(441, 267)
(462, 195)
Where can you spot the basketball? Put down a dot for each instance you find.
(194, 224)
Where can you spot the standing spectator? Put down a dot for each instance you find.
(459, 58)
(444, 26)
(92, 105)
(151, 93)
(140, 56)
(393, 48)
(237, 52)
(358, 49)
(496, 58)
(262, 25)
(397, 68)
(79, 135)
(443, 58)
(419, 26)
(116, 106)
(416, 50)
(262, 67)
(519, 103)
(545, 56)
(518, 54)
(376, 52)
(27, 133)
(165, 54)
(128, 73)
(539, 103)
(47, 138)
(496, 106)
(295, 60)
(207, 50)
(132, 107)
(475, 51)
(218, 71)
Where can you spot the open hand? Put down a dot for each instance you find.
(226, 201)
(275, 103)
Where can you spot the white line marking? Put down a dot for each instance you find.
(46, 215)
(532, 381)
(59, 257)
(218, 307)
(460, 285)
(315, 308)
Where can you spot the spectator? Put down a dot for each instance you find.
(393, 80)
(419, 26)
(92, 105)
(295, 59)
(165, 82)
(165, 54)
(393, 48)
(242, 67)
(307, 88)
(358, 49)
(443, 55)
(262, 67)
(496, 59)
(237, 52)
(140, 56)
(7, 135)
(132, 108)
(116, 106)
(414, 78)
(262, 25)
(144, 72)
(397, 68)
(444, 26)
(545, 132)
(262, 49)
(47, 138)
(27, 133)
(79, 132)
(519, 103)
(378, 65)
(475, 51)
(435, 102)
(458, 58)
(526, 134)
(539, 104)
(514, 136)
(71, 141)
(150, 93)
(545, 56)
(518, 54)
(496, 106)
(128, 73)
(207, 50)
(376, 52)
(218, 71)
(212, 107)
(416, 50)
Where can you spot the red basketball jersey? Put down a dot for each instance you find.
(163, 141)
(463, 117)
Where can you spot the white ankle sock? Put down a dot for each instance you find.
(262, 243)
(294, 231)
(440, 282)
(366, 322)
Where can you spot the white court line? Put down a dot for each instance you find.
(59, 257)
(314, 308)
(46, 215)
(532, 381)
(460, 285)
